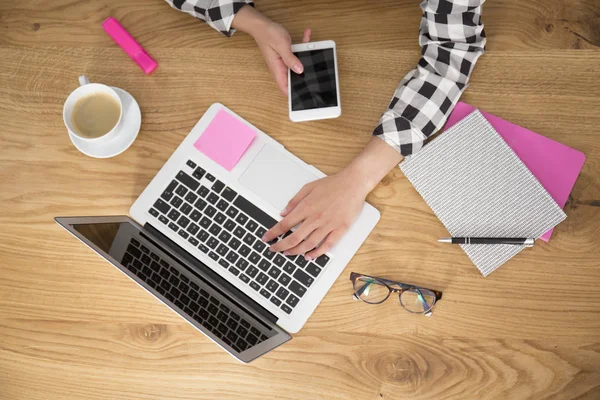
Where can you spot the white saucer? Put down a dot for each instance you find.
(128, 130)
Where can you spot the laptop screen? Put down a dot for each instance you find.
(196, 299)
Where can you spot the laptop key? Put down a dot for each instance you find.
(259, 215)
(212, 198)
(251, 338)
(252, 271)
(303, 278)
(181, 190)
(203, 248)
(274, 272)
(292, 300)
(265, 293)
(220, 218)
(264, 265)
(235, 244)
(286, 308)
(153, 212)
(322, 260)
(297, 289)
(224, 236)
(254, 258)
(239, 232)
(272, 286)
(241, 219)
(174, 214)
(173, 226)
(275, 301)
(134, 251)
(232, 256)
(210, 211)
(234, 271)
(198, 173)
(289, 267)
(301, 261)
(205, 223)
(146, 260)
(161, 206)
(213, 255)
(254, 286)
(191, 197)
(262, 278)
(244, 250)
(251, 226)
(312, 269)
(241, 264)
(229, 225)
(282, 293)
(195, 216)
(163, 219)
(284, 279)
(186, 208)
(249, 239)
(193, 241)
(259, 246)
(212, 242)
(222, 205)
(183, 222)
(203, 235)
(183, 234)
(210, 177)
(260, 232)
(191, 164)
(200, 204)
(176, 201)
(223, 263)
(222, 249)
(215, 229)
(193, 228)
(203, 191)
(279, 260)
(232, 212)
(268, 254)
(155, 267)
(187, 180)
(228, 194)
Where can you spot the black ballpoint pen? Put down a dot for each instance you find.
(476, 240)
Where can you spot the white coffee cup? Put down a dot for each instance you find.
(86, 89)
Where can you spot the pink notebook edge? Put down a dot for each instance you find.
(465, 109)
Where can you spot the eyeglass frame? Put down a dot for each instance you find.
(388, 284)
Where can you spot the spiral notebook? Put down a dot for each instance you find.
(477, 186)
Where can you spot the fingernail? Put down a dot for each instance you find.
(298, 68)
(264, 238)
(307, 258)
(286, 253)
(284, 211)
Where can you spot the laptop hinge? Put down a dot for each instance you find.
(210, 277)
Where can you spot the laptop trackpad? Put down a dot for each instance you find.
(275, 177)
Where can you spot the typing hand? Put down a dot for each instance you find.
(274, 43)
(325, 209)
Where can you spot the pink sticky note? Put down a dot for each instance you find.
(555, 165)
(225, 140)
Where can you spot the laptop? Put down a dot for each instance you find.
(193, 242)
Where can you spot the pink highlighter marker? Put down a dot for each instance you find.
(133, 49)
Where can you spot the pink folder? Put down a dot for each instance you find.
(555, 165)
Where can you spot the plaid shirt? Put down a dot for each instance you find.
(452, 38)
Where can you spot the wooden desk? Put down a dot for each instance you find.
(72, 327)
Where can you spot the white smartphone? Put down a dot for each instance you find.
(314, 94)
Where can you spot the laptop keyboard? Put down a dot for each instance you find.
(227, 227)
(189, 297)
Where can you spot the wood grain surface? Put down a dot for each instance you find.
(72, 327)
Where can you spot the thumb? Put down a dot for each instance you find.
(289, 59)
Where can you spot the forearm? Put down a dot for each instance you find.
(250, 20)
(373, 163)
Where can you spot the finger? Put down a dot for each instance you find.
(289, 59)
(282, 226)
(307, 33)
(310, 242)
(293, 240)
(329, 242)
(279, 71)
(291, 205)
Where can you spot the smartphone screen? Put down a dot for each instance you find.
(316, 86)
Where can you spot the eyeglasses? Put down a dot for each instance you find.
(374, 290)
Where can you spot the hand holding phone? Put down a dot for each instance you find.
(315, 93)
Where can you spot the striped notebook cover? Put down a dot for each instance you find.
(477, 186)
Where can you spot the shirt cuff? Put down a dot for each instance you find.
(399, 133)
(220, 14)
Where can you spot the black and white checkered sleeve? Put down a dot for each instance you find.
(218, 14)
(452, 38)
